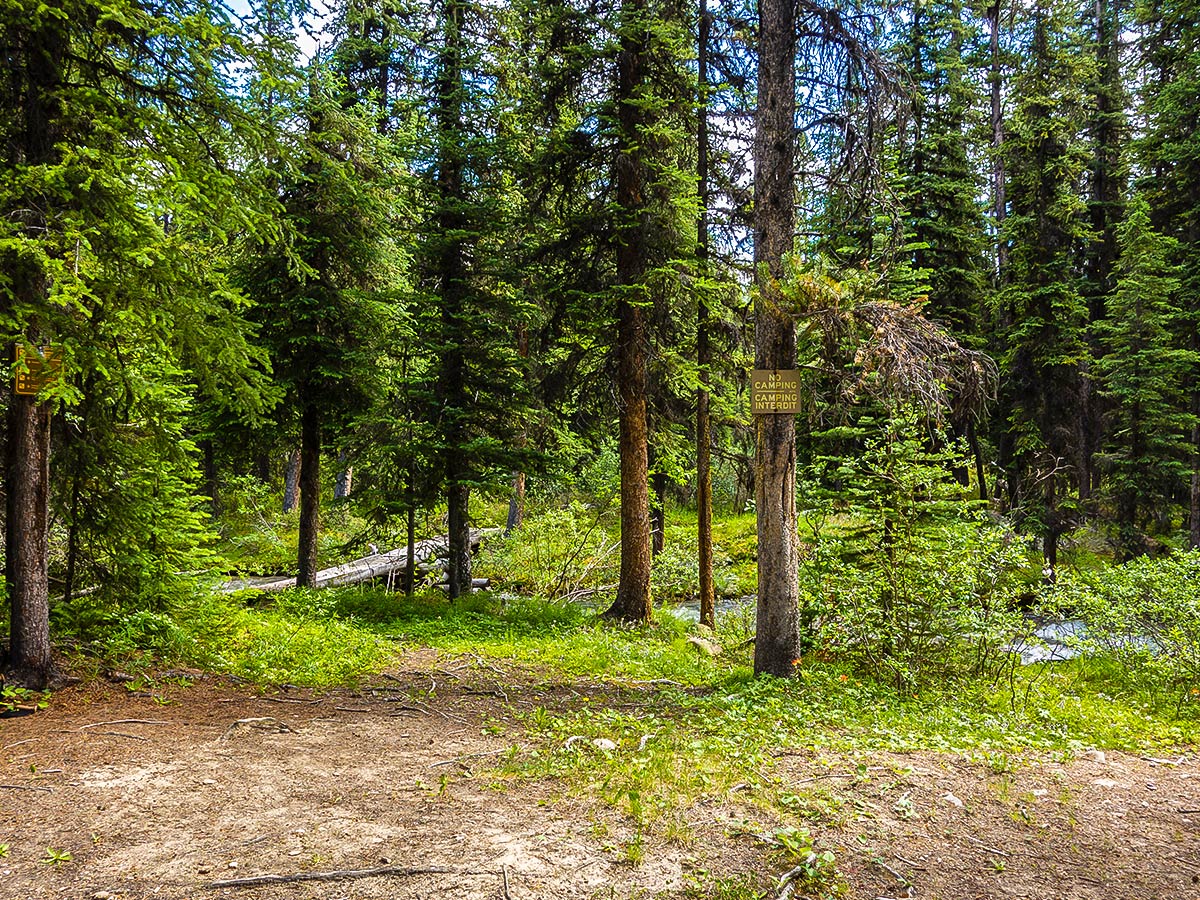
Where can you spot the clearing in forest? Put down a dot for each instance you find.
(448, 777)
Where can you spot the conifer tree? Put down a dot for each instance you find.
(117, 189)
(1106, 177)
(1170, 158)
(1143, 372)
(313, 287)
(1045, 345)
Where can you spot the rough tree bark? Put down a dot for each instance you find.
(344, 483)
(708, 614)
(777, 634)
(995, 78)
(633, 601)
(310, 493)
(27, 541)
(516, 501)
(27, 464)
(291, 482)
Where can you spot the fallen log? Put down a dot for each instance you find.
(368, 567)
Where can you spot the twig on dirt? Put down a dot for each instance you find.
(450, 717)
(1165, 762)
(1187, 812)
(826, 775)
(457, 759)
(253, 841)
(352, 709)
(256, 722)
(290, 700)
(124, 734)
(25, 787)
(18, 743)
(653, 682)
(981, 844)
(504, 872)
(910, 863)
(785, 885)
(483, 663)
(404, 709)
(125, 722)
(494, 692)
(900, 878)
(584, 865)
(342, 875)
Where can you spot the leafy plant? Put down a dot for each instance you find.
(816, 873)
(13, 697)
(1146, 615)
(924, 586)
(55, 857)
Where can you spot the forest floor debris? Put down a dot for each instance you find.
(341, 795)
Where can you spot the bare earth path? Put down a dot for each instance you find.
(165, 796)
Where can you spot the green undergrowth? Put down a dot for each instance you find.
(338, 636)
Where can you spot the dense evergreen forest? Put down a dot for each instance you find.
(441, 259)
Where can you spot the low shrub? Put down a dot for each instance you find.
(1146, 615)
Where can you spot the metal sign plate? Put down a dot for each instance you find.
(35, 371)
(774, 391)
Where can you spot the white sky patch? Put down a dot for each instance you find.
(307, 32)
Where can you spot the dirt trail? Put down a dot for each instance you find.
(161, 796)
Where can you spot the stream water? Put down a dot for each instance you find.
(1052, 641)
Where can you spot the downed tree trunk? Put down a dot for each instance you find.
(368, 567)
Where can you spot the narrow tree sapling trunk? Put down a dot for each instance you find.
(704, 550)
(310, 493)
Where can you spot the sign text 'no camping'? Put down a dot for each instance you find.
(775, 391)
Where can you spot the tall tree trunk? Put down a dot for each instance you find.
(410, 564)
(458, 567)
(708, 613)
(633, 601)
(262, 467)
(27, 463)
(777, 635)
(310, 493)
(977, 455)
(516, 500)
(999, 203)
(210, 475)
(454, 277)
(658, 514)
(1194, 499)
(27, 544)
(291, 481)
(1052, 529)
(516, 503)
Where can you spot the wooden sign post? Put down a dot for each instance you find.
(37, 370)
(774, 391)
